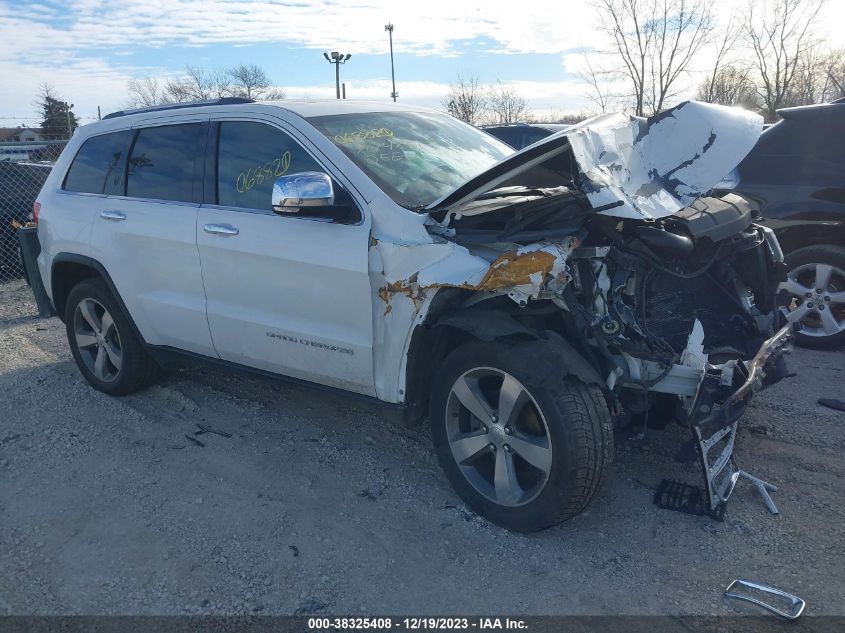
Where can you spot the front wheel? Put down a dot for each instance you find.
(523, 444)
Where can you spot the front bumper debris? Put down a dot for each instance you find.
(722, 398)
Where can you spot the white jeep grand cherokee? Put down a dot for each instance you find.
(519, 299)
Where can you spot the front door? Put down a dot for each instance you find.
(287, 294)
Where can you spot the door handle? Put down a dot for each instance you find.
(221, 229)
(112, 215)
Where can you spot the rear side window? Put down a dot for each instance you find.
(161, 165)
(251, 156)
(99, 165)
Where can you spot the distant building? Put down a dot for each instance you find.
(19, 143)
(19, 134)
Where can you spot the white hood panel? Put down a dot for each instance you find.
(658, 166)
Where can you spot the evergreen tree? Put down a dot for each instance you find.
(58, 119)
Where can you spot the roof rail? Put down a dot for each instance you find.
(839, 100)
(183, 104)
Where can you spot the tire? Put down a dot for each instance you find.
(126, 366)
(819, 318)
(557, 412)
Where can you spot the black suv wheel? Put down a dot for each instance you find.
(813, 296)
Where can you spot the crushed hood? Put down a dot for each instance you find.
(646, 168)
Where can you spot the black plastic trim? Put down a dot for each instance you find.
(179, 106)
(168, 356)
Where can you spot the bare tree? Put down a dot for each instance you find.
(466, 100)
(598, 80)
(146, 92)
(834, 68)
(780, 34)
(250, 81)
(656, 40)
(505, 105)
(198, 84)
(730, 85)
(721, 77)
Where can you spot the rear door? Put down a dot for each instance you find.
(146, 235)
(287, 294)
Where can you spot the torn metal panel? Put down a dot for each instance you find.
(405, 278)
(661, 165)
(647, 168)
(410, 270)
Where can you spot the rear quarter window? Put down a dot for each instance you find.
(99, 165)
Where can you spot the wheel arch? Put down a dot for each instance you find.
(796, 236)
(448, 326)
(69, 269)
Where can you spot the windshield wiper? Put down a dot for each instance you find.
(519, 191)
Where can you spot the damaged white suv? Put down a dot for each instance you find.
(519, 299)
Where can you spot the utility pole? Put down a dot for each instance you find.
(337, 59)
(67, 117)
(389, 29)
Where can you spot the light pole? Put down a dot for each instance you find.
(389, 29)
(337, 59)
(67, 117)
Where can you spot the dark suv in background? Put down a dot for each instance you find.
(796, 172)
(519, 135)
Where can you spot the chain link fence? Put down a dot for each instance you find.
(20, 182)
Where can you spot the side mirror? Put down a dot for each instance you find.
(302, 192)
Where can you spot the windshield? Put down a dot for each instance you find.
(415, 157)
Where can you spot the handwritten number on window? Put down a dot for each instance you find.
(246, 180)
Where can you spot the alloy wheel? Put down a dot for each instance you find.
(817, 299)
(498, 436)
(97, 340)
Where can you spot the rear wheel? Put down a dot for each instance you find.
(524, 449)
(106, 350)
(813, 296)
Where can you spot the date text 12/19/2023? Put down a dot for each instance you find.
(416, 623)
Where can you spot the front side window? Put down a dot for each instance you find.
(414, 157)
(99, 165)
(161, 166)
(251, 156)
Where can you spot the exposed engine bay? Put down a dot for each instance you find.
(651, 303)
(667, 294)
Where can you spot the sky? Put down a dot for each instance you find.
(89, 49)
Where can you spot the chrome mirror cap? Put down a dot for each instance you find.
(294, 193)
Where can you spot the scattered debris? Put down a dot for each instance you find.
(204, 429)
(194, 440)
(831, 403)
(681, 497)
(796, 604)
(371, 493)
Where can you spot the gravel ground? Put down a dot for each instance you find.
(315, 505)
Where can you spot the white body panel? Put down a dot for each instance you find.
(290, 296)
(153, 261)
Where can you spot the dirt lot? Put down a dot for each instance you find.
(317, 506)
